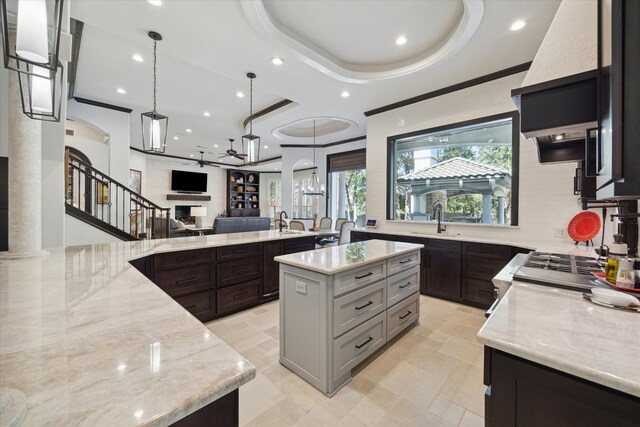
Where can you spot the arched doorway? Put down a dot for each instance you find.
(80, 187)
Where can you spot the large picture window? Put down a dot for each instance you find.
(461, 173)
(347, 178)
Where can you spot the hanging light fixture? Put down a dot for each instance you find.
(154, 125)
(31, 42)
(253, 141)
(315, 189)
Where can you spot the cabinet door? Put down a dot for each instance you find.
(443, 274)
(270, 268)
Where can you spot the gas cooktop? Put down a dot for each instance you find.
(560, 270)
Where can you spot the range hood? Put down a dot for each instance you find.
(557, 114)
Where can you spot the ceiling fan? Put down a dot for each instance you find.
(232, 153)
(202, 162)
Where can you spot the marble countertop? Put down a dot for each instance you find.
(335, 259)
(560, 329)
(89, 340)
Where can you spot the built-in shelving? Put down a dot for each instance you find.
(243, 193)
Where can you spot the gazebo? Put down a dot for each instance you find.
(455, 177)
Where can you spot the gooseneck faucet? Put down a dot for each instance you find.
(441, 227)
(281, 220)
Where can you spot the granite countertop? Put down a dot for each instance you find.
(560, 329)
(335, 259)
(90, 340)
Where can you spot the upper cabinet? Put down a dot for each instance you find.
(617, 146)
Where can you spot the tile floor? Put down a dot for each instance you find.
(432, 376)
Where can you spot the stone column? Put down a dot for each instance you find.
(25, 171)
(486, 208)
(500, 209)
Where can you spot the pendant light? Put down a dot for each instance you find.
(314, 189)
(253, 141)
(154, 125)
(31, 42)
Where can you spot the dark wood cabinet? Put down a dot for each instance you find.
(480, 263)
(527, 394)
(144, 265)
(270, 268)
(243, 193)
(186, 280)
(201, 304)
(443, 274)
(169, 260)
(239, 296)
(223, 412)
(237, 271)
(248, 251)
(301, 244)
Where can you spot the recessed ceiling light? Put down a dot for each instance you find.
(240, 94)
(266, 146)
(345, 94)
(176, 138)
(277, 61)
(155, 2)
(121, 91)
(401, 40)
(305, 163)
(207, 114)
(559, 137)
(275, 168)
(518, 25)
(190, 155)
(188, 130)
(137, 57)
(215, 145)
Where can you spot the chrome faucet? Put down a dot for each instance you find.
(441, 227)
(281, 221)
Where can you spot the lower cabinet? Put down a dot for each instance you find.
(270, 268)
(526, 394)
(443, 274)
(201, 304)
(235, 297)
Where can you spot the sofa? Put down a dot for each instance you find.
(224, 225)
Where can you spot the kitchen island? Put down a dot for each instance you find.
(86, 339)
(340, 305)
(553, 358)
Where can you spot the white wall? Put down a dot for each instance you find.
(81, 233)
(546, 199)
(156, 184)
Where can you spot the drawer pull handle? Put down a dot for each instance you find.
(182, 282)
(191, 306)
(405, 285)
(365, 275)
(364, 343)
(239, 251)
(241, 270)
(406, 261)
(363, 306)
(243, 294)
(406, 314)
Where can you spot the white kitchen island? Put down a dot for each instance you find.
(341, 304)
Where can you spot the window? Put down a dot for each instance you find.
(347, 180)
(463, 173)
(303, 207)
(274, 195)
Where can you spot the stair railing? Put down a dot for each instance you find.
(114, 203)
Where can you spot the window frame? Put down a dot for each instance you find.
(515, 163)
(328, 171)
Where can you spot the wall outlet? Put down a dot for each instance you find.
(301, 287)
(560, 232)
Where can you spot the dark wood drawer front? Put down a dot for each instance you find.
(238, 252)
(182, 258)
(359, 236)
(443, 245)
(237, 296)
(300, 244)
(482, 268)
(202, 304)
(416, 240)
(477, 291)
(238, 271)
(182, 281)
(486, 250)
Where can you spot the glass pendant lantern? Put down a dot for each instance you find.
(252, 141)
(314, 189)
(154, 124)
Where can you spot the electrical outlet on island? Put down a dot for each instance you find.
(560, 232)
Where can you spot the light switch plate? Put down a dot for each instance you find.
(301, 287)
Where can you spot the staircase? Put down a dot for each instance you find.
(101, 201)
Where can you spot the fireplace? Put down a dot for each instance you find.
(183, 213)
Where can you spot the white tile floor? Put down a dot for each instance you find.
(432, 376)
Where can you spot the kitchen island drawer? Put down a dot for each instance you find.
(478, 292)
(484, 268)
(238, 296)
(201, 304)
(356, 345)
(402, 315)
(171, 260)
(187, 280)
(355, 279)
(357, 307)
(487, 250)
(403, 262)
(238, 271)
(244, 252)
(299, 244)
(402, 285)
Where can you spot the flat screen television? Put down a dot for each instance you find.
(188, 182)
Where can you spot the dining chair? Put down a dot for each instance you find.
(326, 223)
(345, 235)
(276, 223)
(339, 222)
(297, 225)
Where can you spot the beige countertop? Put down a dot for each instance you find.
(335, 259)
(560, 329)
(91, 341)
